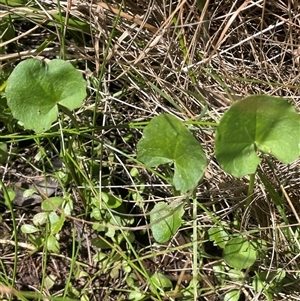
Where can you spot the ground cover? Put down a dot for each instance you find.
(126, 133)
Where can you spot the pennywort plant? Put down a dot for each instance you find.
(252, 129)
(258, 124)
(35, 90)
(48, 223)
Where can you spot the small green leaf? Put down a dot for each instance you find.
(68, 207)
(100, 243)
(167, 140)
(236, 275)
(233, 295)
(258, 283)
(160, 281)
(280, 275)
(258, 123)
(3, 153)
(52, 244)
(96, 214)
(40, 218)
(219, 236)
(137, 295)
(269, 280)
(110, 232)
(165, 220)
(52, 203)
(34, 89)
(56, 222)
(11, 196)
(29, 192)
(126, 267)
(115, 271)
(50, 281)
(84, 297)
(239, 253)
(219, 272)
(28, 229)
(111, 201)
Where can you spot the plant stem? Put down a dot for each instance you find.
(250, 190)
(195, 247)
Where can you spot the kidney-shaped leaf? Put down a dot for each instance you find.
(239, 253)
(258, 123)
(165, 220)
(166, 140)
(34, 89)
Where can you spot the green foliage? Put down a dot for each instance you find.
(167, 140)
(52, 203)
(48, 223)
(14, 2)
(239, 253)
(35, 90)
(269, 282)
(233, 295)
(29, 229)
(161, 282)
(258, 123)
(108, 223)
(219, 236)
(3, 153)
(165, 220)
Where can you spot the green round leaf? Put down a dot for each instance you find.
(29, 192)
(96, 214)
(233, 295)
(219, 272)
(165, 220)
(67, 207)
(239, 253)
(167, 140)
(258, 123)
(34, 89)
